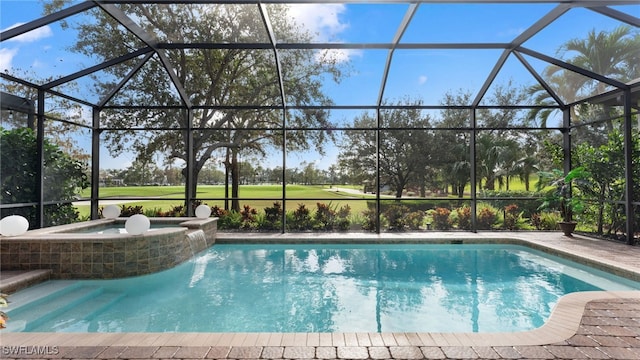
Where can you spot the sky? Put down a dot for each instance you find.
(417, 74)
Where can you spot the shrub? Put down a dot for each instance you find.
(273, 217)
(325, 217)
(546, 220)
(486, 217)
(300, 219)
(464, 217)
(396, 216)
(356, 219)
(259, 222)
(343, 217)
(441, 218)
(513, 218)
(248, 217)
(370, 219)
(155, 212)
(230, 220)
(128, 210)
(414, 220)
(176, 211)
(216, 211)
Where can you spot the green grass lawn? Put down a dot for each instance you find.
(296, 194)
(173, 195)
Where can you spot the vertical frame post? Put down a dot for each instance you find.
(628, 169)
(40, 156)
(566, 139)
(189, 181)
(95, 162)
(378, 142)
(472, 162)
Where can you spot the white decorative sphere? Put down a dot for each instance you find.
(13, 225)
(203, 211)
(111, 212)
(137, 224)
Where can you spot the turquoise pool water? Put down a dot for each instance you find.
(320, 288)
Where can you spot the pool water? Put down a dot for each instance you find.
(321, 288)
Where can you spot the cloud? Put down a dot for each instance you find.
(33, 35)
(337, 56)
(324, 23)
(322, 20)
(422, 79)
(6, 58)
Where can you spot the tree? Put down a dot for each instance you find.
(525, 166)
(64, 177)
(605, 164)
(404, 152)
(62, 133)
(497, 149)
(454, 154)
(213, 79)
(612, 54)
(143, 172)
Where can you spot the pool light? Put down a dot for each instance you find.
(111, 212)
(13, 225)
(137, 224)
(203, 211)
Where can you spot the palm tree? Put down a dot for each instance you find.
(563, 85)
(491, 150)
(525, 167)
(609, 54)
(612, 54)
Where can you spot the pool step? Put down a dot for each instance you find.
(78, 318)
(44, 309)
(91, 308)
(38, 292)
(14, 280)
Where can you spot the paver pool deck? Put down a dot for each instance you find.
(586, 325)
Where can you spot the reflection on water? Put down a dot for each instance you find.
(338, 288)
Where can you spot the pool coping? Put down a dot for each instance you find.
(563, 323)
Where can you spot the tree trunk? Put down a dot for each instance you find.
(399, 192)
(194, 184)
(490, 184)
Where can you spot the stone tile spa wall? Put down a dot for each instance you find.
(76, 255)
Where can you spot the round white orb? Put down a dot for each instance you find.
(137, 224)
(203, 211)
(111, 212)
(13, 225)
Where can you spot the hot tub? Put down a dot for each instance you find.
(85, 251)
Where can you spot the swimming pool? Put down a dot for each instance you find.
(320, 288)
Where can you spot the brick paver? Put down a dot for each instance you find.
(325, 352)
(352, 352)
(299, 352)
(379, 352)
(611, 341)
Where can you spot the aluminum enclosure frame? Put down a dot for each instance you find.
(625, 94)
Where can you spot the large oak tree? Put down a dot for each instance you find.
(237, 102)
